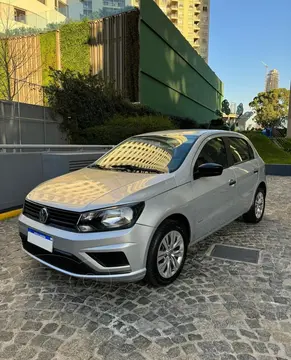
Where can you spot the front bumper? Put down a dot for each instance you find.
(71, 251)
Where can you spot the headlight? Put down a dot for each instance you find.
(119, 217)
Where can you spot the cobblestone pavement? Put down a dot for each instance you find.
(216, 310)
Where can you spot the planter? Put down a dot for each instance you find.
(278, 170)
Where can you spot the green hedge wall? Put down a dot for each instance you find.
(48, 54)
(74, 47)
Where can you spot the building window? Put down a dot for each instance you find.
(205, 8)
(42, 1)
(19, 15)
(62, 8)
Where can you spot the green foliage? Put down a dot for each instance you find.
(225, 107)
(74, 47)
(271, 107)
(48, 54)
(184, 123)
(285, 143)
(240, 110)
(269, 151)
(86, 101)
(218, 124)
(120, 128)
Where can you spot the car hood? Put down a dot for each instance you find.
(89, 189)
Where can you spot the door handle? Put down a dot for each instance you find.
(256, 171)
(232, 182)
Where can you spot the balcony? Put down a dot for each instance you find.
(174, 16)
(174, 7)
(62, 8)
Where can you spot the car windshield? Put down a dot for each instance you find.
(148, 153)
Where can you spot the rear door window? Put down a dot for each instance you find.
(240, 150)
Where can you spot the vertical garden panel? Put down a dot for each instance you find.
(75, 50)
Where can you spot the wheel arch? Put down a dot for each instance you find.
(181, 219)
(263, 186)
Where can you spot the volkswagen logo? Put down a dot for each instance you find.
(43, 215)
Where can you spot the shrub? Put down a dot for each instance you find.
(120, 128)
(184, 123)
(86, 101)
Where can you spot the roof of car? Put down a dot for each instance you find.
(196, 132)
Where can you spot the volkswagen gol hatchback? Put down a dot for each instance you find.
(133, 213)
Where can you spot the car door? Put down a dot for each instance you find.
(246, 169)
(214, 197)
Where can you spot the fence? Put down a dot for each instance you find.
(29, 124)
(114, 51)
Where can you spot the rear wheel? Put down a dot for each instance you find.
(167, 253)
(256, 212)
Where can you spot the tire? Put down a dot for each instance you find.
(254, 215)
(170, 230)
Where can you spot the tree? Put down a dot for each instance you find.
(271, 107)
(240, 110)
(225, 108)
(16, 54)
(86, 101)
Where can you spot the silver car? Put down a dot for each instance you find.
(133, 213)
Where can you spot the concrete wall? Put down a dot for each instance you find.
(21, 172)
(28, 124)
(174, 79)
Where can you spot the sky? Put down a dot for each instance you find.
(242, 34)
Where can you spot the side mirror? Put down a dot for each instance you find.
(209, 169)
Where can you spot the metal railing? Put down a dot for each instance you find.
(47, 147)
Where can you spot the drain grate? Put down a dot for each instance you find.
(235, 253)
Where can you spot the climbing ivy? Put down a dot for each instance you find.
(48, 55)
(75, 50)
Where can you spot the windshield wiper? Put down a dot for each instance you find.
(96, 166)
(135, 168)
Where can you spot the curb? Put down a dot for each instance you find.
(10, 214)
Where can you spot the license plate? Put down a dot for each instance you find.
(41, 240)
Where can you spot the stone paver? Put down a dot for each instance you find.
(216, 310)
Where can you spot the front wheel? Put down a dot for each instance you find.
(167, 253)
(256, 212)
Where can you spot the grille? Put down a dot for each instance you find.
(58, 259)
(62, 219)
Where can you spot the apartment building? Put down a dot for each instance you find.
(272, 81)
(191, 17)
(95, 8)
(31, 13)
